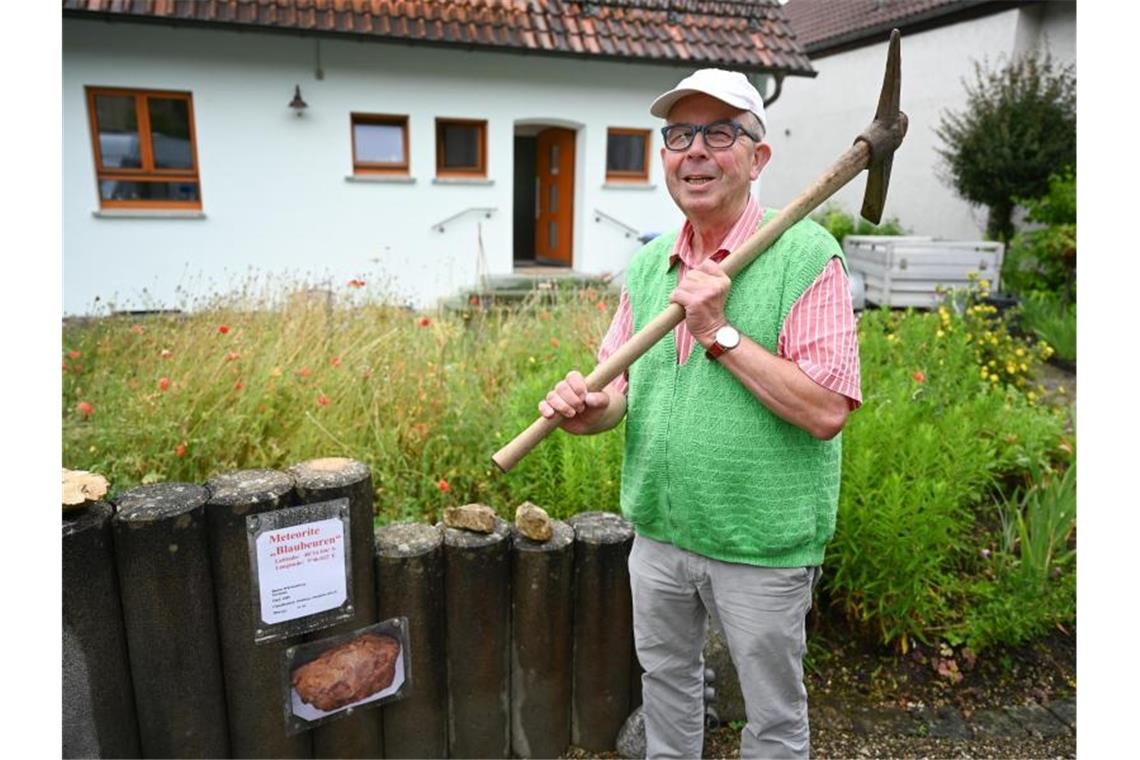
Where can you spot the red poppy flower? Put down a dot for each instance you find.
(180, 449)
(85, 408)
(356, 283)
(601, 305)
(443, 485)
(164, 383)
(322, 400)
(223, 329)
(919, 377)
(233, 356)
(473, 300)
(425, 321)
(72, 354)
(137, 329)
(239, 385)
(305, 372)
(65, 366)
(335, 361)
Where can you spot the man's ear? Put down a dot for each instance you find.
(760, 157)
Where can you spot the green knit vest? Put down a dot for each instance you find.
(707, 467)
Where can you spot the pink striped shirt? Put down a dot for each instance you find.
(818, 334)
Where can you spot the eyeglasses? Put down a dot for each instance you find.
(718, 135)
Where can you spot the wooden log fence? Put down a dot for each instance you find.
(516, 648)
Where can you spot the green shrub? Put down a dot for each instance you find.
(1018, 126)
(841, 224)
(1045, 259)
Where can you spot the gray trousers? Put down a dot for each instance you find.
(761, 611)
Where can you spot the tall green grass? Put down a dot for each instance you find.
(423, 398)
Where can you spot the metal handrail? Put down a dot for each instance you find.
(599, 215)
(487, 211)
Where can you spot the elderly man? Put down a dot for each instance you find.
(731, 469)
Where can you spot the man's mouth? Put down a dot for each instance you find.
(697, 179)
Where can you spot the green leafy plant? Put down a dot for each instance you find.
(1044, 259)
(1017, 127)
(841, 224)
(1032, 580)
(1053, 319)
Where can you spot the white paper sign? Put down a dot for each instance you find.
(300, 570)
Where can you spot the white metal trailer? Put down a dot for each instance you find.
(907, 270)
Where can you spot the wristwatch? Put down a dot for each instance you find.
(726, 339)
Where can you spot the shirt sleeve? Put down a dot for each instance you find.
(621, 330)
(820, 336)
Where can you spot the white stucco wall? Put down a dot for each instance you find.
(815, 120)
(274, 189)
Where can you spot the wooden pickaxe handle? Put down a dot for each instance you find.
(873, 149)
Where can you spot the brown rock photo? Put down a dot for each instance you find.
(349, 673)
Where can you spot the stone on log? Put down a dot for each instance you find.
(533, 522)
(474, 517)
(81, 488)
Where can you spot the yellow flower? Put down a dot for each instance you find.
(1024, 367)
(1020, 351)
(985, 373)
(891, 338)
(993, 378)
(1031, 396)
(1061, 390)
(1010, 369)
(939, 334)
(985, 284)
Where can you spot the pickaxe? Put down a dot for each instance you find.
(873, 150)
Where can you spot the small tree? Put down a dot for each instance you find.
(1019, 126)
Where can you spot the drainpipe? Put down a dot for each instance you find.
(760, 81)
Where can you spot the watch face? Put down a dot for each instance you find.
(728, 336)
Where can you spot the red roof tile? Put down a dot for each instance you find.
(821, 25)
(753, 35)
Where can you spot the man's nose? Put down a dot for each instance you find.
(697, 147)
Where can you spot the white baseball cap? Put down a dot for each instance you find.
(729, 87)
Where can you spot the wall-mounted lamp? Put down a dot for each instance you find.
(297, 103)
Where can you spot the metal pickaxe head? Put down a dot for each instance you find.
(884, 135)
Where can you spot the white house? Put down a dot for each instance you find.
(847, 43)
(414, 144)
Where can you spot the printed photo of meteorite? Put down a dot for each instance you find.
(328, 678)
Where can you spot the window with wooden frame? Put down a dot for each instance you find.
(379, 144)
(145, 151)
(460, 148)
(627, 155)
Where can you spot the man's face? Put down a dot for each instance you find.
(709, 184)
